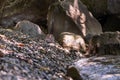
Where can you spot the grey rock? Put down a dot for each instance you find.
(29, 28)
(72, 16)
(98, 68)
(107, 43)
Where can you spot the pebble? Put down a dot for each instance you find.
(29, 55)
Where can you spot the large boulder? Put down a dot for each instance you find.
(107, 43)
(29, 28)
(13, 11)
(106, 11)
(72, 16)
(96, 68)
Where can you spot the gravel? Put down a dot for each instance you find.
(26, 58)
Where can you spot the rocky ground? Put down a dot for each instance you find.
(25, 58)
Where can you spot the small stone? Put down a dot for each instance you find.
(1, 54)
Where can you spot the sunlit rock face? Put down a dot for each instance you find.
(12, 11)
(72, 16)
(107, 43)
(71, 41)
(97, 68)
